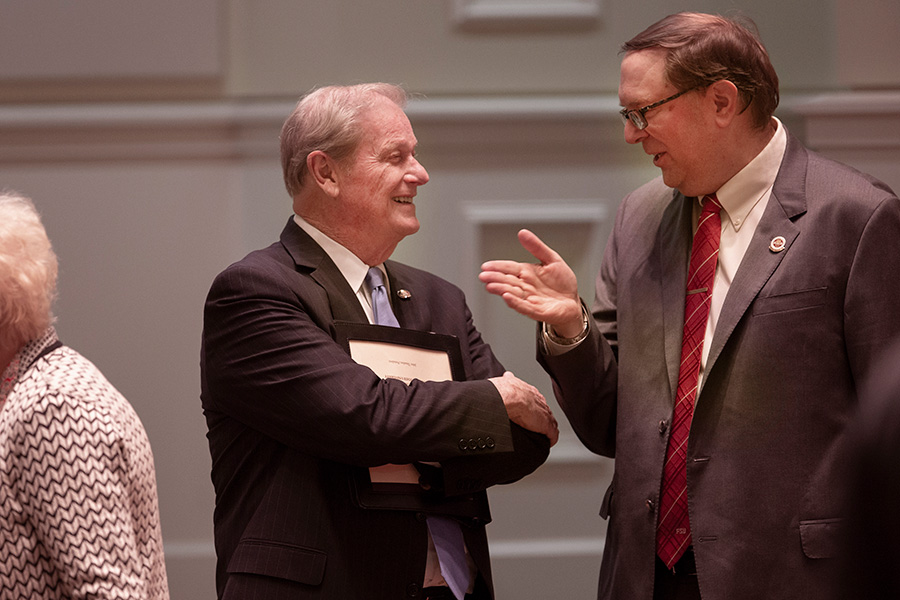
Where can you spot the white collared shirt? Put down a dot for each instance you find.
(351, 267)
(744, 198)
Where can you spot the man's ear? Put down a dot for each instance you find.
(727, 100)
(324, 172)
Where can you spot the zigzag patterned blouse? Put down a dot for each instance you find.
(78, 503)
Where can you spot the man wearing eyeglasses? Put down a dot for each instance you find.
(742, 297)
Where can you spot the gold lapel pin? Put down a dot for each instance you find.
(777, 244)
(404, 294)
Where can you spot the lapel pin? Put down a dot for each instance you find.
(777, 244)
(404, 294)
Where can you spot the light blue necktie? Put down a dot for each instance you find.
(445, 532)
(381, 305)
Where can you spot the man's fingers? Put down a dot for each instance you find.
(510, 293)
(548, 425)
(554, 434)
(526, 406)
(504, 281)
(537, 248)
(501, 278)
(501, 267)
(521, 305)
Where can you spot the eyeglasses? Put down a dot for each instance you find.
(636, 116)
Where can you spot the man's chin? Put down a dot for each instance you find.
(673, 182)
(408, 228)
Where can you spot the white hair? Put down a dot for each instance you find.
(328, 119)
(28, 270)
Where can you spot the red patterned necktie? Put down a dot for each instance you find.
(673, 534)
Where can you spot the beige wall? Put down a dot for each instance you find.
(147, 134)
(283, 45)
(279, 48)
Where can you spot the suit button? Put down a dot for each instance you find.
(473, 444)
(663, 425)
(650, 504)
(463, 445)
(490, 442)
(413, 589)
(482, 443)
(420, 516)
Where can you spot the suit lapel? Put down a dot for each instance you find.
(406, 300)
(675, 238)
(788, 201)
(310, 258)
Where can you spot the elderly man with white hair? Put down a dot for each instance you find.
(78, 504)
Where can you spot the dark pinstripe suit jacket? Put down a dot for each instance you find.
(291, 417)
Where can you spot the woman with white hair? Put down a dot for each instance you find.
(78, 504)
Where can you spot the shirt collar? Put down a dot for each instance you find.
(742, 192)
(351, 267)
(22, 361)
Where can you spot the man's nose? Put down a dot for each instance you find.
(633, 135)
(417, 174)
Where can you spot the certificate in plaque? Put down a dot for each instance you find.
(403, 354)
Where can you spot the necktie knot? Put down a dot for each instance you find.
(374, 278)
(710, 204)
(381, 305)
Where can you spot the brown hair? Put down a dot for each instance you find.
(328, 119)
(703, 49)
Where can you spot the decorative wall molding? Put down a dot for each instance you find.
(250, 129)
(546, 547)
(209, 130)
(481, 15)
(138, 131)
(851, 120)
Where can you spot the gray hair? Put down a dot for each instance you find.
(28, 270)
(328, 119)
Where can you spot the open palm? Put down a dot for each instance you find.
(546, 291)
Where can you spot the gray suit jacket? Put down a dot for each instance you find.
(292, 418)
(798, 330)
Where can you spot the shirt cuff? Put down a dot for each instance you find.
(555, 345)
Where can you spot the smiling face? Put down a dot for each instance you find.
(681, 134)
(377, 184)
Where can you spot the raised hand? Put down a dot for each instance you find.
(526, 406)
(546, 292)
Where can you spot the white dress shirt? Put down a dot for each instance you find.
(351, 267)
(744, 198)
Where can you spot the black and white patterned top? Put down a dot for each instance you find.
(78, 503)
